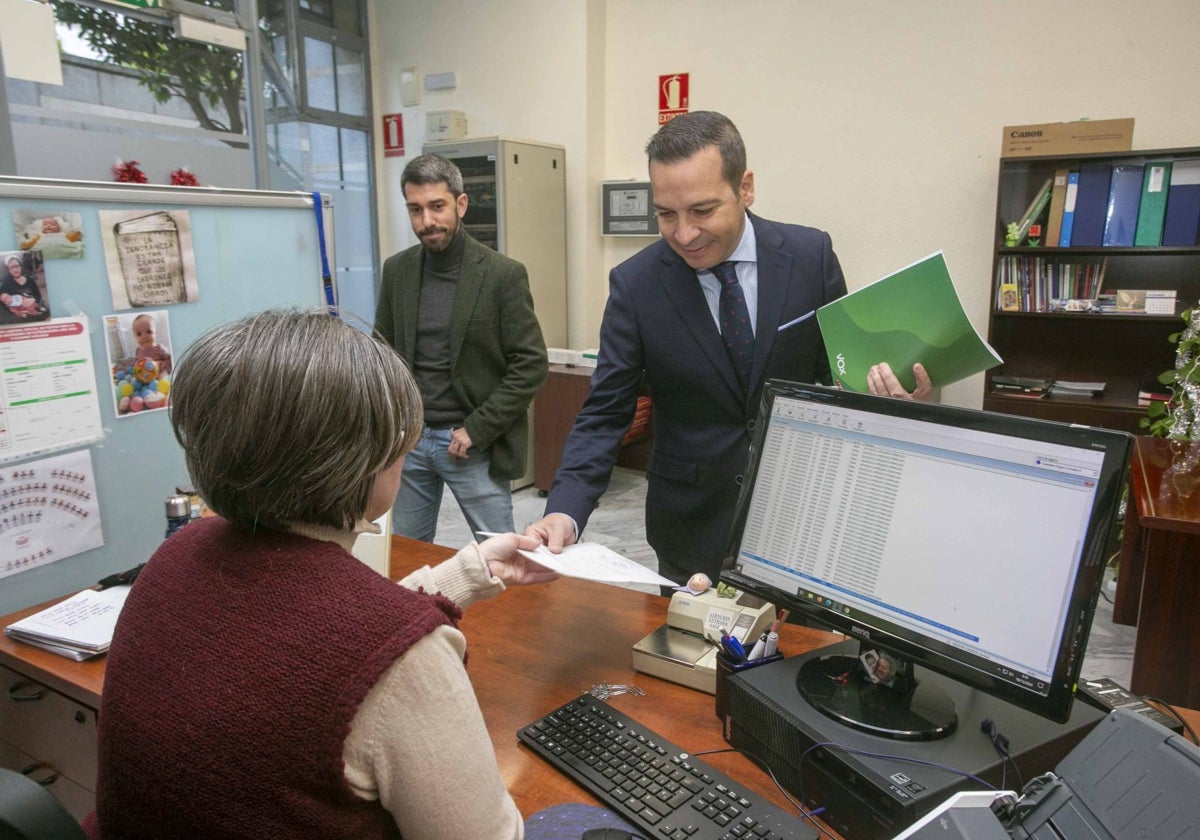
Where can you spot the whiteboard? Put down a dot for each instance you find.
(253, 250)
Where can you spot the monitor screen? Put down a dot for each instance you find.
(967, 542)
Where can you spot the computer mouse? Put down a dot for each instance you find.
(609, 834)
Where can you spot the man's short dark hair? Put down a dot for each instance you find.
(688, 134)
(432, 169)
(288, 416)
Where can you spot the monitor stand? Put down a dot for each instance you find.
(893, 705)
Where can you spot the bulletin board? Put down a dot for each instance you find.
(252, 250)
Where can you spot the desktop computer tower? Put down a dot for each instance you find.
(877, 792)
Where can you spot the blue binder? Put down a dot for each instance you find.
(1124, 197)
(1091, 204)
(1182, 221)
(1068, 219)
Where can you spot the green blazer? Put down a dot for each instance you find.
(497, 354)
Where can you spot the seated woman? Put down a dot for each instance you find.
(262, 682)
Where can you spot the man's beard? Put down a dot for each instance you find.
(443, 242)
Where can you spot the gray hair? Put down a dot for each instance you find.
(688, 134)
(432, 169)
(288, 416)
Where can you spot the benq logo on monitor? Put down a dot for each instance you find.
(860, 631)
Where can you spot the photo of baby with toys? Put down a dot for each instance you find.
(139, 355)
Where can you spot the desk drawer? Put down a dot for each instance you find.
(51, 728)
(77, 799)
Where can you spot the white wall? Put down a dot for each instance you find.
(520, 66)
(878, 122)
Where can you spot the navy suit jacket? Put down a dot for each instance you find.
(658, 328)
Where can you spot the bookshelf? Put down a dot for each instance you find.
(1037, 338)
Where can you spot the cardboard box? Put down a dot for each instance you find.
(1065, 138)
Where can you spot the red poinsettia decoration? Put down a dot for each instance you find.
(184, 177)
(128, 172)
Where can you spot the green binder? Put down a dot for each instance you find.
(913, 315)
(1153, 208)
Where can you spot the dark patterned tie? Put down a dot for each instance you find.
(735, 321)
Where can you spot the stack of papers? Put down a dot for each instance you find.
(81, 627)
(1065, 388)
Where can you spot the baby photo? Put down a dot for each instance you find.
(23, 288)
(59, 236)
(139, 356)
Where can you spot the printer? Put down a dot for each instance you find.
(684, 650)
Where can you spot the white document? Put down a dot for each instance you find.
(84, 621)
(48, 398)
(592, 561)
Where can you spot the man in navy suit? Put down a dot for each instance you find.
(663, 326)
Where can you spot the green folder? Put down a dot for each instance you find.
(913, 315)
(1152, 210)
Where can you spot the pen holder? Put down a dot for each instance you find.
(726, 666)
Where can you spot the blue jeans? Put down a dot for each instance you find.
(484, 501)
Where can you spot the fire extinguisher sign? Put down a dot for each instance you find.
(393, 135)
(672, 96)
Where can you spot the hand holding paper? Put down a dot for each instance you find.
(592, 561)
(508, 558)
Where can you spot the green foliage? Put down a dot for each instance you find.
(1169, 419)
(202, 75)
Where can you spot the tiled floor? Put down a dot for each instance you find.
(618, 523)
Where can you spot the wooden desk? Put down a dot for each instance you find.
(530, 650)
(1158, 580)
(48, 719)
(554, 410)
(536, 647)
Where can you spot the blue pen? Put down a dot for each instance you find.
(733, 647)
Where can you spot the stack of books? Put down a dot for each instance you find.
(81, 627)
(1021, 386)
(1151, 390)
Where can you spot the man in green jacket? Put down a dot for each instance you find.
(462, 316)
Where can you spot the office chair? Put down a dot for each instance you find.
(30, 812)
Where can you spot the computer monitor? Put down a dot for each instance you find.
(966, 542)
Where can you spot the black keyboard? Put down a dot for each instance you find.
(650, 782)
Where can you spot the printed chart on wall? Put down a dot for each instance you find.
(48, 511)
(48, 398)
